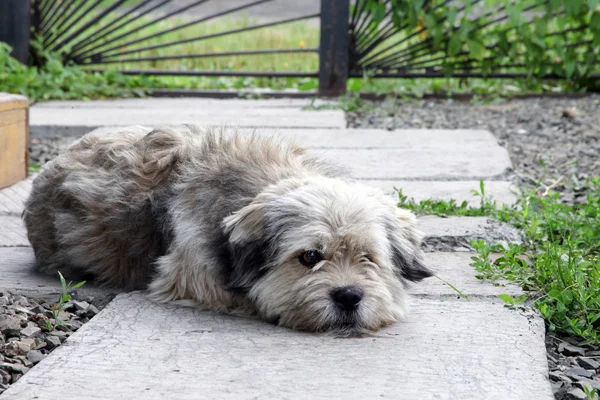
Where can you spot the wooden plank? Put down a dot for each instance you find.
(13, 146)
(10, 102)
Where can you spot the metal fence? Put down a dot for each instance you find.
(126, 33)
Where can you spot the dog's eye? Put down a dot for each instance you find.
(369, 258)
(310, 258)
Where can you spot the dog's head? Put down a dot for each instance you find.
(322, 254)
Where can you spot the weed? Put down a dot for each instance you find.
(558, 263)
(34, 168)
(65, 297)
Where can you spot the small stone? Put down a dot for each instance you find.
(80, 305)
(31, 330)
(22, 301)
(37, 318)
(4, 377)
(16, 377)
(25, 361)
(570, 350)
(9, 322)
(576, 372)
(557, 376)
(522, 132)
(39, 344)
(14, 368)
(52, 342)
(556, 386)
(12, 333)
(64, 327)
(92, 311)
(35, 356)
(22, 310)
(11, 349)
(68, 306)
(588, 363)
(74, 324)
(576, 394)
(570, 113)
(38, 310)
(57, 333)
(25, 345)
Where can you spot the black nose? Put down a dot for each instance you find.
(347, 298)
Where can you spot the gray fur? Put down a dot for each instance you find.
(219, 219)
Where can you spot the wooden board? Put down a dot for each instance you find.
(14, 137)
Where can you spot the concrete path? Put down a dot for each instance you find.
(447, 348)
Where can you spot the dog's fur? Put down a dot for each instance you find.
(221, 219)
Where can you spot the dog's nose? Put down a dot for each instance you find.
(347, 298)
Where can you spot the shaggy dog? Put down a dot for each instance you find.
(232, 223)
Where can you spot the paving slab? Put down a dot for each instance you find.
(17, 272)
(456, 233)
(12, 232)
(57, 120)
(149, 103)
(454, 269)
(503, 192)
(135, 349)
(373, 154)
(13, 197)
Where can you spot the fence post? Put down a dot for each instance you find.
(14, 27)
(333, 49)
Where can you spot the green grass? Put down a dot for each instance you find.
(57, 81)
(558, 263)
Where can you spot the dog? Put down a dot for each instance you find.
(229, 222)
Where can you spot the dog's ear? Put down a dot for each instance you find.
(246, 251)
(405, 241)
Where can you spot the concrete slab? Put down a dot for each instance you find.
(13, 197)
(405, 154)
(465, 163)
(416, 139)
(17, 272)
(50, 121)
(190, 103)
(135, 349)
(504, 193)
(12, 232)
(456, 233)
(454, 269)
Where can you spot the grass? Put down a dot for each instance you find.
(57, 81)
(558, 263)
(65, 297)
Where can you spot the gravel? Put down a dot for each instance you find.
(555, 141)
(25, 338)
(574, 367)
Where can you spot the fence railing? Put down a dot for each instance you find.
(130, 33)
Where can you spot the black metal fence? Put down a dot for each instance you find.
(99, 33)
